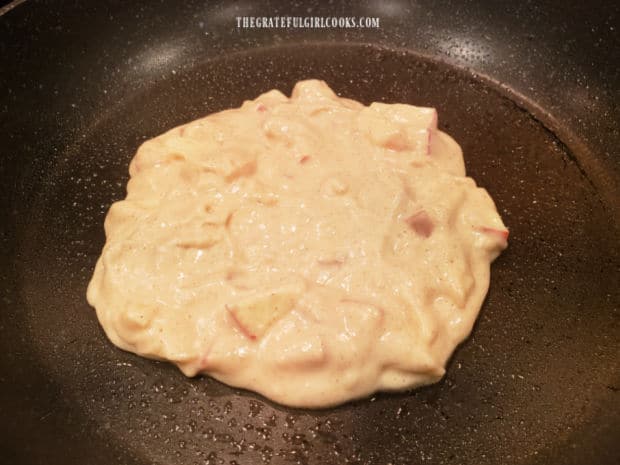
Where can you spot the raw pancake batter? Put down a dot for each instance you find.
(309, 248)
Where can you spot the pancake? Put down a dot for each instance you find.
(312, 249)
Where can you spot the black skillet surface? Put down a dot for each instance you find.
(537, 382)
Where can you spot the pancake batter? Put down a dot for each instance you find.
(309, 248)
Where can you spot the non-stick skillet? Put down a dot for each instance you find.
(529, 89)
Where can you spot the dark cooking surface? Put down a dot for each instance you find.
(537, 383)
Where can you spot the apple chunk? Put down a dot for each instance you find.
(399, 127)
(502, 234)
(421, 223)
(254, 316)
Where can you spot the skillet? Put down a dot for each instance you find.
(529, 90)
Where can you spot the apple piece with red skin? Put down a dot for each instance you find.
(430, 130)
(500, 233)
(400, 127)
(421, 223)
(256, 315)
